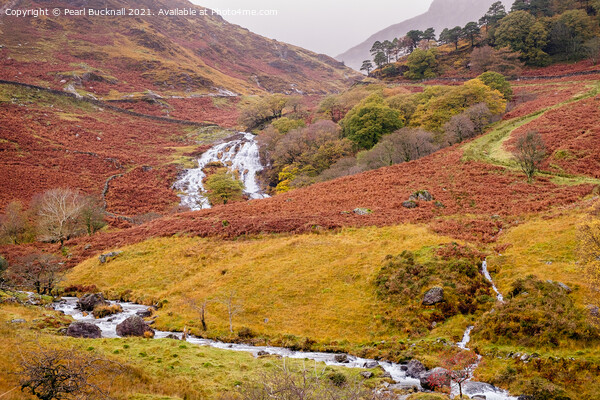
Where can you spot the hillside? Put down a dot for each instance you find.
(442, 14)
(114, 56)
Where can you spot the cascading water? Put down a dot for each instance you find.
(487, 276)
(239, 155)
(108, 326)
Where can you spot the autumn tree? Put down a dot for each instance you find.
(3, 272)
(459, 128)
(529, 153)
(59, 215)
(50, 374)
(92, 215)
(258, 111)
(38, 271)
(501, 60)
(366, 123)
(13, 224)
(223, 187)
(457, 368)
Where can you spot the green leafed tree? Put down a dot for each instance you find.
(496, 12)
(367, 66)
(422, 64)
(497, 81)
(366, 123)
(223, 187)
(523, 33)
(470, 31)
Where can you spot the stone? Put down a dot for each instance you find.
(89, 301)
(84, 330)
(134, 326)
(404, 367)
(172, 336)
(144, 313)
(479, 397)
(415, 369)
(471, 388)
(433, 296)
(262, 353)
(362, 211)
(564, 287)
(442, 378)
(421, 195)
(341, 358)
(366, 374)
(370, 364)
(410, 204)
(18, 321)
(594, 310)
(386, 375)
(108, 256)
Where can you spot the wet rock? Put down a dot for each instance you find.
(404, 367)
(108, 256)
(479, 397)
(386, 375)
(410, 204)
(341, 358)
(471, 388)
(84, 330)
(370, 364)
(172, 336)
(362, 211)
(433, 296)
(134, 326)
(421, 195)
(144, 313)
(89, 301)
(415, 369)
(366, 374)
(262, 353)
(437, 377)
(18, 321)
(525, 398)
(87, 246)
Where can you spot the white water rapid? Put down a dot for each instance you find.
(108, 325)
(239, 155)
(487, 276)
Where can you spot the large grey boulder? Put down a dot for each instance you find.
(437, 377)
(89, 301)
(134, 326)
(341, 358)
(108, 256)
(84, 330)
(415, 369)
(421, 195)
(433, 296)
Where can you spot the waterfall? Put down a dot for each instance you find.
(239, 155)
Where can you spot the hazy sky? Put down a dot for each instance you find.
(324, 26)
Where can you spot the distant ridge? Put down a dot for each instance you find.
(442, 14)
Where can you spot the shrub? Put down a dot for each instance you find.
(366, 123)
(102, 311)
(223, 187)
(529, 153)
(422, 64)
(497, 81)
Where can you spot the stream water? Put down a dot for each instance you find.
(487, 276)
(68, 305)
(240, 155)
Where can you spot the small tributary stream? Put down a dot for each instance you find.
(68, 305)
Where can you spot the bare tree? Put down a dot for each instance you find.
(59, 212)
(40, 272)
(200, 307)
(233, 307)
(92, 215)
(529, 153)
(13, 224)
(459, 128)
(287, 384)
(50, 374)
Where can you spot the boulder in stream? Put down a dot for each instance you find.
(134, 326)
(86, 330)
(415, 369)
(89, 301)
(341, 358)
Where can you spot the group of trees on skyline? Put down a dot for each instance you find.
(537, 31)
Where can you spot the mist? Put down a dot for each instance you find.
(323, 26)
